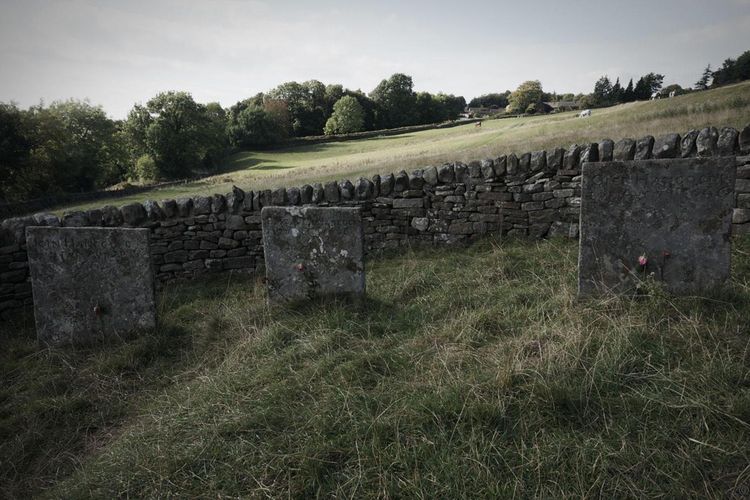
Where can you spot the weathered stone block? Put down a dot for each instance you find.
(430, 176)
(306, 194)
(606, 148)
(347, 190)
(445, 173)
(538, 161)
(667, 146)
(201, 205)
(624, 150)
(744, 140)
(408, 203)
(675, 213)
(401, 182)
(90, 283)
(706, 141)
(133, 214)
(687, 145)
(332, 192)
(76, 219)
(293, 195)
(727, 145)
(363, 189)
(312, 252)
(643, 148)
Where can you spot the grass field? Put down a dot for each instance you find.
(467, 373)
(252, 170)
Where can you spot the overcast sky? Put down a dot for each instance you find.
(117, 53)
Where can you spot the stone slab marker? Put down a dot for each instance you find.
(90, 284)
(313, 252)
(675, 213)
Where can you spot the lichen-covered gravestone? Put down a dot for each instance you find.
(90, 284)
(666, 220)
(313, 252)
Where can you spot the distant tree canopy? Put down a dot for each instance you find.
(181, 136)
(252, 124)
(528, 93)
(396, 102)
(66, 147)
(490, 100)
(347, 117)
(732, 71)
(607, 93)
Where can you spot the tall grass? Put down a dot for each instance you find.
(466, 373)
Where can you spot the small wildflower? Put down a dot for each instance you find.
(300, 267)
(665, 253)
(642, 261)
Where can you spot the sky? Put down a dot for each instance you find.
(118, 53)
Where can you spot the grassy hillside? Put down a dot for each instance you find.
(727, 106)
(466, 373)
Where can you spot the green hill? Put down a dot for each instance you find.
(467, 373)
(251, 170)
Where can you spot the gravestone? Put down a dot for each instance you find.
(313, 252)
(90, 284)
(667, 220)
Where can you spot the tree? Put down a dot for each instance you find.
(15, 149)
(307, 104)
(725, 74)
(602, 92)
(648, 85)
(490, 100)
(395, 102)
(258, 125)
(451, 106)
(348, 116)
(529, 92)
(214, 135)
(175, 131)
(628, 95)
(705, 79)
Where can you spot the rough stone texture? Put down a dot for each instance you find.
(90, 284)
(705, 143)
(643, 148)
(687, 145)
(675, 212)
(133, 214)
(744, 140)
(624, 150)
(726, 145)
(667, 146)
(313, 252)
(606, 148)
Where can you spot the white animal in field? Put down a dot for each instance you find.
(673, 93)
(584, 113)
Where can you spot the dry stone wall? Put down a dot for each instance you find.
(536, 194)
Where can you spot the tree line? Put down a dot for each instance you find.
(530, 98)
(73, 146)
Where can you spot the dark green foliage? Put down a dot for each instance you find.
(491, 101)
(732, 71)
(66, 147)
(396, 102)
(183, 137)
(705, 80)
(348, 116)
(251, 125)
